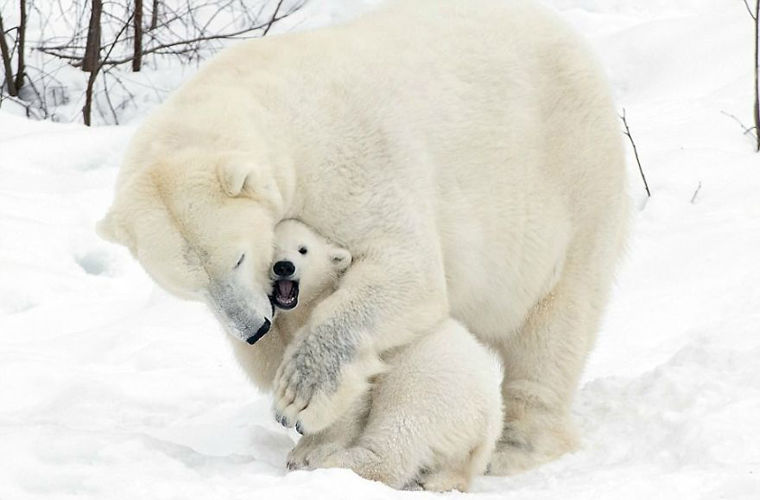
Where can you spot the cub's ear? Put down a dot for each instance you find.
(242, 179)
(340, 258)
(112, 228)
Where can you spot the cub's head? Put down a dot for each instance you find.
(305, 264)
(202, 226)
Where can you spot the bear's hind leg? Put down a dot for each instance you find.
(542, 364)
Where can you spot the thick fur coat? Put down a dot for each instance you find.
(467, 154)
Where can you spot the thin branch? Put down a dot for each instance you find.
(163, 46)
(28, 109)
(694, 196)
(749, 9)
(627, 132)
(273, 18)
(108, 98)
(746, 129)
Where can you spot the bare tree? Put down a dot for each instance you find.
(116, 34)
(756, 19)
(14, 83)
(755, 15)
(21, 43)
(5, 53)
(91, 61)
(182, 45)
(91, 58)
(138, 35)
(154, 15)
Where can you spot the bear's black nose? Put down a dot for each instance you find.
(284, 268)
(260, 333)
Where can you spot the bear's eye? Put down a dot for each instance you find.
(240, 261)
(302, 250)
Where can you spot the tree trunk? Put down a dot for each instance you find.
(154, 15)
(21, 68)
(137, 23)
(757, 84)
(87, 109)
(92, 49)
(5, 54)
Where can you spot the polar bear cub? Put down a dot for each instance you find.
(430, 418)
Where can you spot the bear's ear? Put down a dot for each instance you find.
(340, 258)
(111, 228)
(242, 179)
(236, 178)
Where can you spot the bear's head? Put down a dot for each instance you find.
(305, 264)
(202, 226)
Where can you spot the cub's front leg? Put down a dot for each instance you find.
(312, 449)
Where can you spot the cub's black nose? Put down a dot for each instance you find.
(283, 268)
(260, 333)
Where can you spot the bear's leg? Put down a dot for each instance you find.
(458, 474)
(393, 447)
(312, 449)
(542, 364)
(446, 480)
(389, 466)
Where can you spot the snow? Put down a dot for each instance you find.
(110, 388)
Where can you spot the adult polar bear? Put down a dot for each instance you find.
(466, 153)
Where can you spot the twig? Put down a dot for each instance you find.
(694, 196)
(157, 48)
(108, 97)
(30, 112)
(273, 18)
(746, 129)
(627, 132)
(749, 9)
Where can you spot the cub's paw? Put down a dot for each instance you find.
(369, 465)
(310, 452)
(445, 481)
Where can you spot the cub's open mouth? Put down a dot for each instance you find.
(285, 294)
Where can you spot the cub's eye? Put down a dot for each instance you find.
(240, 261)
(302, 250)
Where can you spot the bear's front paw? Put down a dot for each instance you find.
(305, 384)
(315, 385)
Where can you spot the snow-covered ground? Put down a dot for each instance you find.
(111, 389)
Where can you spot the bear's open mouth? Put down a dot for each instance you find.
(285, 294)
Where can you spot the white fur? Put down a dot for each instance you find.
(467, 154)
(434, 405)
(437, 409)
